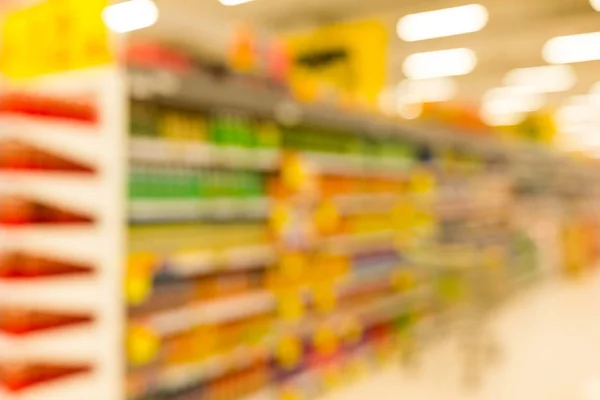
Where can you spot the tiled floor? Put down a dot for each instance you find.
(550, 340)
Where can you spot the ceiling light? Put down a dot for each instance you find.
(130, 15)
(596, 6)
(572, 49)
(427, 90)
(437, 64)
(509, 105)
(546, 79)
(491, 119)
(234, 2)
(510, 100)
(442, 23)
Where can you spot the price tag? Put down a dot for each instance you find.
(327, 218)
(280, 218)
(292, 266)
(325, 340)
(140, 273)
(403, 280)
(324, 296)
(296, 174)
(291, 305)
(353, 331)
(289, 352)
(422, 182)
(143, 345)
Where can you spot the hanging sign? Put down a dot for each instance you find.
(54, 36)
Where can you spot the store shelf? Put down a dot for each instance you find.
(356, 243)
(76, 141)
(204, 91)
(187, 375)
(69, 388)
(74, 192)
(73, 345)
(365, 203)
(361, 166)
(154, 211)
(211, 312)
(57, 294)
(196, 263)
(78, 244)
(195, 154)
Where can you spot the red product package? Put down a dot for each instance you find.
(17, 211)
(22, 322)
(24, 266)
(19, 377)
(80, 109)
(16, 155)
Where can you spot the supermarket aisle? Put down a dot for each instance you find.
(551, 351)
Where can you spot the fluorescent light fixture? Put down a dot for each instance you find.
(442, 23)
(510, 100)
(491, 119)
(596, 6)
(427, 90)
(130, 15)
(234, 2)
(506, 106)
(546, 79)
(572, 49)
(438, 64)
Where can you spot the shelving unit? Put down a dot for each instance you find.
(92, 347)
(268, 249)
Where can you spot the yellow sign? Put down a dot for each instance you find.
(54, 36)
(349, 58)
(140, 273)
(289, 352)
(143, 345)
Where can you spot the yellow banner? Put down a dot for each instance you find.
(349, 58)
(54, 36)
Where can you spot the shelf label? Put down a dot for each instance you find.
(289, 352)
(140, 274)
(143, 345)
(54, 36)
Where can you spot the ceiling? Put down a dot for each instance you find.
(514, 36)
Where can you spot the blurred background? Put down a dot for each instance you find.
(261, 199)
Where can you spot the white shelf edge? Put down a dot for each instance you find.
(238, 258)
(73, 345)
(73, 140)
(58, 294)
(78, 244)
(79, 193)
(218, 311)
(199, 154)
(68, 388)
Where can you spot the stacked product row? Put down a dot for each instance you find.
(284, 261)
